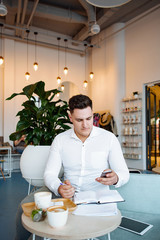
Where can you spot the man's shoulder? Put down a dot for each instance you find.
(101, 131)
(64, 134)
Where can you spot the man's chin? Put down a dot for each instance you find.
(85, 133)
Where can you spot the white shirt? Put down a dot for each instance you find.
(83, 162)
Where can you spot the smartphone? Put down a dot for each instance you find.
(134, 226)
(103, 174)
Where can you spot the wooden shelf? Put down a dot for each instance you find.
(131, 99)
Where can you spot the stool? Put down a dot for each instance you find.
(2, 161)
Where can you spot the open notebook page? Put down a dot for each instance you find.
(99, 196)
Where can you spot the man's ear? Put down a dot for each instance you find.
(70, 117)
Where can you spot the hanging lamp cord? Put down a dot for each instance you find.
(1, 39)
(58, 53)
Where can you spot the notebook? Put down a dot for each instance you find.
(99, 196)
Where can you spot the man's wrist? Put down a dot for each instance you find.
(117, 180)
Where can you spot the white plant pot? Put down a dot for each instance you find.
(32, 164)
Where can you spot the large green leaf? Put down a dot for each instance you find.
(14, 95)
(29, 90)
(40, 125)
(39, 90)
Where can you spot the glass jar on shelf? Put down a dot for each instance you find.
(131, 140)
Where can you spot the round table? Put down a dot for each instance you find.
(77, 227)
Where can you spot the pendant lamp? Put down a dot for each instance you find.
(91, 75)
(62, 87)
(58, 78)
(27, 74)
(85, 83)
(35, 64)
(65, 68)
(1, 58)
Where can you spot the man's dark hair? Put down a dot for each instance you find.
(79, 101)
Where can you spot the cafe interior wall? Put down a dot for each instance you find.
(108, 63)
(143, 59)
(143, 51)
(13, 76)
(125, 61)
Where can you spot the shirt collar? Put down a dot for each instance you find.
(93, 133)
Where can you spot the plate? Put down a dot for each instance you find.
(67, 203)
(29, 207)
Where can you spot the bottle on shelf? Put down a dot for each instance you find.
(132, 127)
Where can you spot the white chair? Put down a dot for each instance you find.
(32, 164)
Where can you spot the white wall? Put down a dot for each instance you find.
(15, 66)
(124, 62)
(143, 52)
(142, 63)
(108, 86)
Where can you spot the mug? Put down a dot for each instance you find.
(57, 216)
(43, 200)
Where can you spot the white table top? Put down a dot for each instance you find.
(77, 227)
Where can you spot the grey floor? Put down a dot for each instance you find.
(12, 191)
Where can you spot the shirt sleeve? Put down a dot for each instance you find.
(117, 162)
(53, 168)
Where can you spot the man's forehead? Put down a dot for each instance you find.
(82, 113)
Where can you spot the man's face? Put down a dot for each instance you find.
(82, 120)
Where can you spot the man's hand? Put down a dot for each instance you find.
(110, 179)
(66, 190)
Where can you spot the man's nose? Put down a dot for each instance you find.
(84, 123)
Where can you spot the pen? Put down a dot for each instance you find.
(62, 184)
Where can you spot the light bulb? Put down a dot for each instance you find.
(35, 66)
(27, 75)
(85, 84)
(1, 60)
(62, 87)
(58, 80)
(91, 75)
(57, 94)
(65, 70)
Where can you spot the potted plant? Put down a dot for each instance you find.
(40, 120)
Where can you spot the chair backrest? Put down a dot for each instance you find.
(141, 193)
(32, 164)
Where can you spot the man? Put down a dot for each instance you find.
(84, 152)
